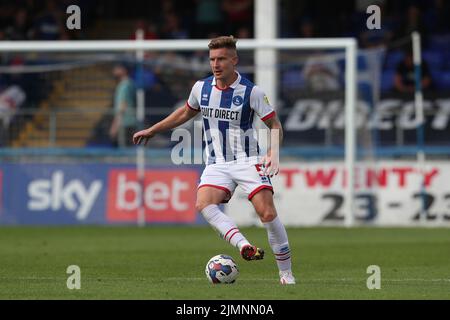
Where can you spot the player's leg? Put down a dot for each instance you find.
(216, 187)
(208, 200)
(259, 189)
(264, 206)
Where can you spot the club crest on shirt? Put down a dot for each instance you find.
(237, 100)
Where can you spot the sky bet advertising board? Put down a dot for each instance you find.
(96, 194)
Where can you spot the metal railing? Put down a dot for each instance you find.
(50, 127)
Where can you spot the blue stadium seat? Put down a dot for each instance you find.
(446, 58)
(440, 43)
(387, 80)
(392, 59)
(361, 62)
(434, 59)
(293, 79)
(441, 80)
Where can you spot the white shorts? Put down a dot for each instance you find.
(227, 176)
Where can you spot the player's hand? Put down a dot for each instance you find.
(270, 165)
(143, 136)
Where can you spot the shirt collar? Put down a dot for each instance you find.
(233, 85)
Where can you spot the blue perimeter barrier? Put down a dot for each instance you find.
(304, 152)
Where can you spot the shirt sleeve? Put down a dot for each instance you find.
(260, 103)
(193, 102)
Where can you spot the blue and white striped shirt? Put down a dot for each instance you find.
(228, 114)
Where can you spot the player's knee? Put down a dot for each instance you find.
(267, 214)
(200, 205)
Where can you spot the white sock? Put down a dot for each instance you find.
(278, 241)
(224, 225)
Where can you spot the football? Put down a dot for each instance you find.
(221, 269)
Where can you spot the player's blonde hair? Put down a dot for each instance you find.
(228, 42)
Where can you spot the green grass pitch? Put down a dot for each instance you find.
(168, 263)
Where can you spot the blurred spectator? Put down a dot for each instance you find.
(172, 28)
(321, 73)
(197, 18)
(413, 22)
(49, 24)
(10, 100)
(437, 16)
(307, 29)
(6, 14)
(149, 29)
(246, 57)
(124, 121)
(199, 63)
(239, 14)
(146, 78)
(404, 80)
(208, 18)
(243, 33)
(21, 28)
(171, 68)
(167, 6)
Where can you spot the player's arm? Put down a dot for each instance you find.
(276, 133)
(176, 118)
(271, 162)
(260, 103)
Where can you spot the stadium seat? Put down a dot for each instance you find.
(434, 59)
(362, 62)
(387, 80)
(446, 58)
(293, 79)
(440, 42)
(442, 80)
(392, 59)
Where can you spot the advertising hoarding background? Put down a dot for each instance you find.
(306, 194)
